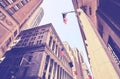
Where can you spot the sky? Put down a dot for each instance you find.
(69, 32)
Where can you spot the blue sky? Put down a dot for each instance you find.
(69, 32)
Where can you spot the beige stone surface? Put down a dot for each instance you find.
(100, 64)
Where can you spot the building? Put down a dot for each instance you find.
(38, 55)
(108, 19)
(86, 71)
(99, 42)
(77, 60)
(14, 17)
(89, 7)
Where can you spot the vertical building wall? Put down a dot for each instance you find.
(106, 23)
(89, 7)
(100, 64)
(108, 28)
(15, 13)
(9, 30)
(77, 61)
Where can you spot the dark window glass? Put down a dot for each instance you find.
(15, 33)
(43, 76)
(100, 29)
(53, 46)
(2, 16)
(46, 62)
(2, 4)
(115, 48)
(30, 58)
(8, 42)
(90, 10)
(50, 41)
(51, 65)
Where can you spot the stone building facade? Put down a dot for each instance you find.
(38, 55)
(14, 15)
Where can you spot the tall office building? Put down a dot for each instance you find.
(108, 17)
(14, 15)
(102, 39)
(39, 54)
(77, 60)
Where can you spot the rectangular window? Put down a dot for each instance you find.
(15, 33)
(19, 5)
(6, 2)
(51, 65)
(100, 29)
(46, 63)
(53, 46)
(28, 0)
(13, 0)
(24, 2)
(10, 1)
(8, 42)
(114, 47)
(90, 10)
(43, 77)
(56, 49)
(2, 4)
(50, 41)
(16, 8)
(30, 58)
(10, 11)
(2, 16)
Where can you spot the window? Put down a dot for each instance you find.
(31, 43)
(2, 16)
(51, 65)
(114, 48)
(49, 77)
(30, 58)
(15, 33)
(16, 8)
(8, 42)
(53, 46)
(13, 0)
(11, 11)
(56, 49)
(100, 29)
(54, 70)
(46, 62)
(50, 41)
(19, 5)
(10, 1)
(90, 10)
(2, 4)
(24, 2)
(28, 0)
(6, 2)
(44, 76)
